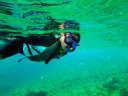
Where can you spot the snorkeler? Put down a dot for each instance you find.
(42, 48)
(42, 20)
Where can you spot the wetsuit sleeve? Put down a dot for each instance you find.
(47, 54)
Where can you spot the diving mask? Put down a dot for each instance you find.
(69, 40)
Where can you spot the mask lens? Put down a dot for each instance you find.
(68, 40)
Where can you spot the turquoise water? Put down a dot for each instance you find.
(99, 67)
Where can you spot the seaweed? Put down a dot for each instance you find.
(111, 85)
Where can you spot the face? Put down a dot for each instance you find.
(62, 38)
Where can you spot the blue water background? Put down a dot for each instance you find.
(102, 54)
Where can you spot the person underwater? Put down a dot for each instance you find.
(41, 19)
(42, 48)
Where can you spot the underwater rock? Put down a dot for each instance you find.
(124, 92)
(111, 84)
(40, 93)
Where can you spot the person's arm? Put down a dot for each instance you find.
(47, 54)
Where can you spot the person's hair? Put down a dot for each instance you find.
(76, 37)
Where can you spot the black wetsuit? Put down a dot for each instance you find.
(49, 41)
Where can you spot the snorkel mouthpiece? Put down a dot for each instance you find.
(67, 49)
(74, 45)
(72, 48)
